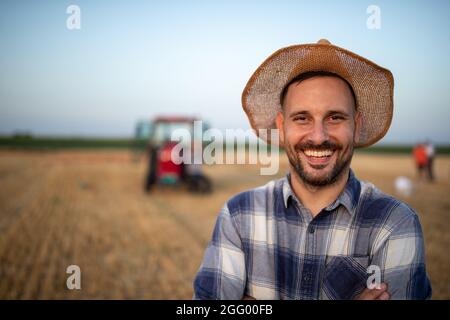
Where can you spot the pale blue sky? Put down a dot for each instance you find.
(132, 60)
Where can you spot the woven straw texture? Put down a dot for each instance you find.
(372, 84)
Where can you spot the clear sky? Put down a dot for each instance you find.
(133, 60)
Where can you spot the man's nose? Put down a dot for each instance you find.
(318, 134)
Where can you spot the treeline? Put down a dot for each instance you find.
(49, 143)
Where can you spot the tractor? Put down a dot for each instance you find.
(162, 170)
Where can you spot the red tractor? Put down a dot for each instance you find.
(162, 169)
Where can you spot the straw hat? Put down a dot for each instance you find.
(372, 84)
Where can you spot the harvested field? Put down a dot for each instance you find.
(88, 208)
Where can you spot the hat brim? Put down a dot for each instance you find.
(373, 87)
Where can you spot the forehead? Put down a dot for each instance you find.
(319, 94)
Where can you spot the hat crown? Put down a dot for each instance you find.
(323, 41)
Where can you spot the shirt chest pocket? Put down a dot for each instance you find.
(345, 276)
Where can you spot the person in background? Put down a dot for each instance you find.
(430, 152)
(421, 159)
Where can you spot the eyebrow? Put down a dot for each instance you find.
(329, 113)
(297, 113)
(337, 113)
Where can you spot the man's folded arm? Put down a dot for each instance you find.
(401, 258)
(222, 274)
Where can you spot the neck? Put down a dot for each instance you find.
(316, 198)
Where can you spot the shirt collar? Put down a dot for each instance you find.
(349, 197)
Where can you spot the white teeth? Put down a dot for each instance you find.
(318, 154)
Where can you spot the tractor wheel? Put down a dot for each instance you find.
(200, 184)
(151, 173)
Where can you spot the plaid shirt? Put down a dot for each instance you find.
(267, 245)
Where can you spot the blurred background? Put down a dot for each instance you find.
(90, 91)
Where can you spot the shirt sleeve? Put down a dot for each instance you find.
(401, 258)
(222, 274)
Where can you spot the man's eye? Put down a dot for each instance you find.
(301, 119)
(337, 118)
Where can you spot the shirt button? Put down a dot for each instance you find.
(311, 229)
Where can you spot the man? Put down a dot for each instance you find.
(319, 232)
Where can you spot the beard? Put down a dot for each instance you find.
(341, 163)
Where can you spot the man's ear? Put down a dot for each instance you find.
(279, 121)
(358, 126)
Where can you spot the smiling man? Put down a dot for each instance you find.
(319, 232)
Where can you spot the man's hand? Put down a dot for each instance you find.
(374, 294)
(367, 294)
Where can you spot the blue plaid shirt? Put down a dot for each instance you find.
(267, 245)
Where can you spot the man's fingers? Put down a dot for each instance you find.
(384, 296)
(373, 294)
(370, 294)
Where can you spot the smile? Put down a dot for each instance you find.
(318, 157)
(318, 154)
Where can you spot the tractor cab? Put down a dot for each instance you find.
(162, 169)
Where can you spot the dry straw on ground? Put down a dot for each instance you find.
(87, 208)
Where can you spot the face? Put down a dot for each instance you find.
(317, 127)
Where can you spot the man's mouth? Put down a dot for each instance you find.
(318, 157)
